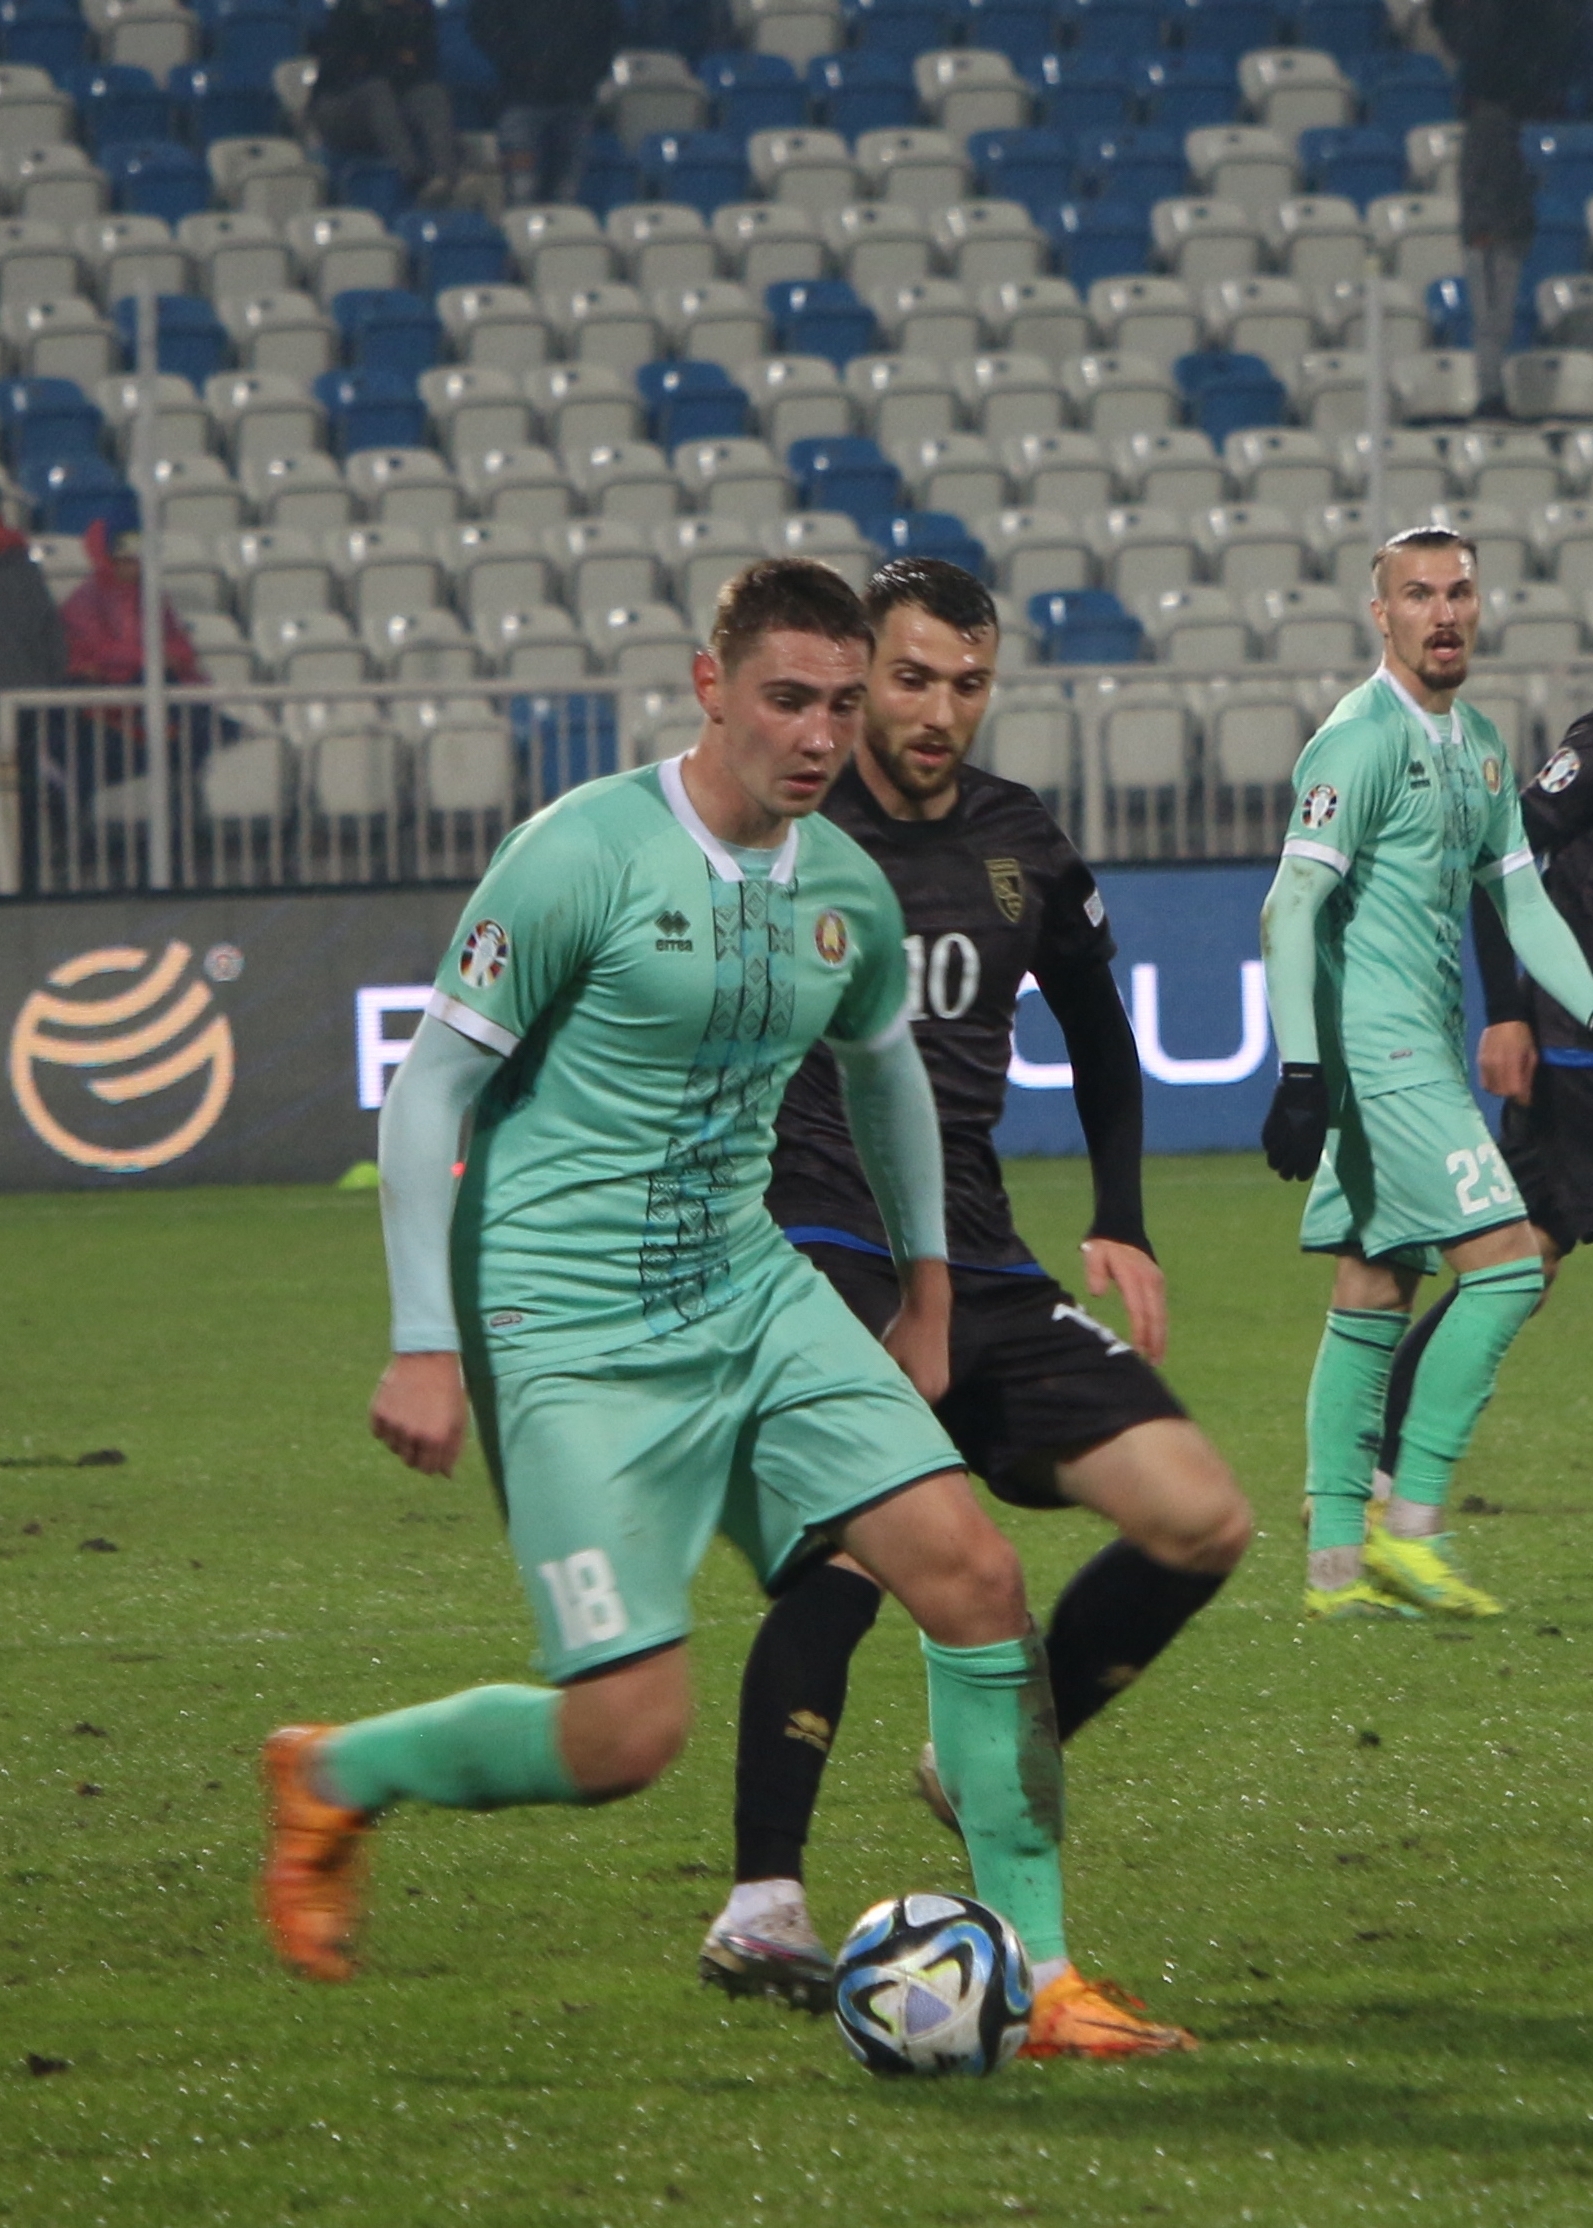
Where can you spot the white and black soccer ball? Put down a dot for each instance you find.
(932, 1984)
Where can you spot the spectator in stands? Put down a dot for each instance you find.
(32, 640)
(550, 60)
(1514, 57)
(103, 619)
(378, 92)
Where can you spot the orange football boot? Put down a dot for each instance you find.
(1078, 2018)
(314, 1866)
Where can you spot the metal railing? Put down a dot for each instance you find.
(370, 784)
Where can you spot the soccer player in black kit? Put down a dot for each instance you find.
(1049, 1407)
(1532, 1054)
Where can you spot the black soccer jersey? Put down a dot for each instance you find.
(990, 893)
(1557, 812)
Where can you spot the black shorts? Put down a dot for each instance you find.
(1031, 1373)
(1549, 1148)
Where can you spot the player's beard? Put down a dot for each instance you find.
(1449, 677)
(915, 782)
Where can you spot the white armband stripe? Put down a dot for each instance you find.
(892, 1033)
(471, 1024)
(1511, 863)
(1298, 847)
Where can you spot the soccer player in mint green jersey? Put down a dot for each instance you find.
(1404, 800)
(649, 1361)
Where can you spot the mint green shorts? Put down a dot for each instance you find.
(769, 1421)
(1406, 1174)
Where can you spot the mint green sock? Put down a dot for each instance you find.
(1455, 1376)
(482, 1750)
(994, 1728)
(1344, 1418)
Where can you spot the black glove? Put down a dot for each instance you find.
(1296, 1127)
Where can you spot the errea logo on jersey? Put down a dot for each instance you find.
(672, 935)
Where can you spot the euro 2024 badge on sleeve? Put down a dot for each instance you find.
(1318, 805)
(485, 955)
(1560, 772)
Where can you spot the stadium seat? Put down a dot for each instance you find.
(1176, 469)
(1242, 163)
(1330, 390)
(609, 175)
(1306, 625)
(753, 93)
(765, 241)
(925, 533)
(275, 572)
(559, 250)
(579, 405)
(1076, 92)
(386, 329)
(540, 647)
(404, 487)
(1108, 26)
(42, 420)
(987, 243)
(969, 89)
(699, 555)
(131, 255)
(153, 35)
(625, 479)
(156, 178)
(197, 495)
(210, 104)
(1318, 239)
(732, 479)
(691, 402)
(878, 244)
(1550, 383)
(648, 91)
(924, 168)
(1246, 547)
(795, 396)
(307, 492)
(284, 332)
(1341, 316)
(1093, 240)
(1113, 392)
(70, 493)
(1266, 317)
(860, 91)
(1201, 240)
(850, 475)
(190, 340)
(1519, 469)
(1415, 471)
(53, 38)
(1402, 90)
(493, 568)
(266, 414)
(1007, 392)
(903, 27)
(498, 325)
(1358, 163)
(901, 398)
(1136, 162)
(475, 409)
(1139, 550)
(1224, 392)
(1438, 386)
(68, 339)
(1184, 91)
(935, 318)
(342, 249)
(609, 325)
(718, 323)
(1146, 316)
(1015, 28)
(313, 649)
(116, 103)
(1284, 466)
(371, 410)
(36, 262)
(601, 562)
(1504, 544)
(1031, 551)
(453, 247)
(1069, 471)
(641, 643)
(1084, 626)
(250, 37)
(266, 177)
(383, 571)
(957, 472)
(1226, 27)
(1534, 623)
(813, 169)
(1295, 89)
(661, 244)
(524, 486)
(1032, 166)
(702, 170)
(1195, 628)
(1418, 236)
(1562, 541)
(829, 536)
(1040, 317)
(53, 185)
(821, 318)
(235, 255)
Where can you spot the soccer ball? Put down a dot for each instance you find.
(932, 1984)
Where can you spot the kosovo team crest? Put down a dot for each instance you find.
(1006, 887)
(830, 938)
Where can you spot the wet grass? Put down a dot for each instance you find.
(1356, 1863)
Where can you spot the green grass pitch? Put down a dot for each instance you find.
(1357, 1863)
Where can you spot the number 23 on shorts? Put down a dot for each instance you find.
(1471, 1169)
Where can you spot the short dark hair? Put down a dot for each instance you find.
(795, 595)
(1418, 537)
(935, 585)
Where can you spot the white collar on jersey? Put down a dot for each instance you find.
(674, 787)
(1426, 718)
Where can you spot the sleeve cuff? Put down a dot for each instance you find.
(1298, 847)
(468, 1023)
(1512, 863)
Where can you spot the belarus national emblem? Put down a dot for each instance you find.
(1006, 887)
(829, 937)
(486, 950)
(1492, 775)
(1319, 805)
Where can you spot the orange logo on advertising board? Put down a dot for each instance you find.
(70, 1033)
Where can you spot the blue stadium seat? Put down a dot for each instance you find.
(1346, 29)
(1092, 240)
(190, 339)
(906, 27)
(1231, 27)
(1085, 626)
(386, 329)
(1140, 162)
(1560, 157)
(1224, 392)
(1110, 26)
(1031, 166)
(703, 169)
(156, 178)
(928, 534)
(1081, 92)
(1402, 90)
(608, 176)
(844, 473)
(1022, 30)
(1449, 315)
(568, 739)
(44, 35)
(211, 106)
(251, 37)
(44, 420)
(371, 410)
(68, 496)
(116, 102)
(691, 402)
(1184, 92)
(1358, 161)
(865, 92)
(1559, 238)
(366, 182)
(753, 93)
(820, 317)
(453, 247)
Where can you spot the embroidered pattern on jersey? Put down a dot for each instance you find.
(684, 1265)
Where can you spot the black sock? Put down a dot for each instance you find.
(1113, 1618)
(1407, 1360)
(792, 1694)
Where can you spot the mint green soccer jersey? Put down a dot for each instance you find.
(1409, 810)
(651, 1002)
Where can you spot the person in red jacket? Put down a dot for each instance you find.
(104, 621)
